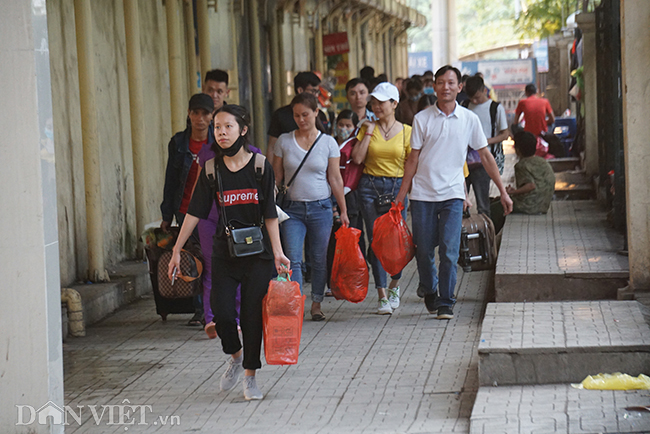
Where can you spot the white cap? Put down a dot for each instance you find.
(385, 91)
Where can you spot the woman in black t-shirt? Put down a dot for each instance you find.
(247, 200)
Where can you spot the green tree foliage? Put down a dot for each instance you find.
(420, 39)
(484, 24)
(542, 18)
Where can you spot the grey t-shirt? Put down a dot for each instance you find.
(311, 183)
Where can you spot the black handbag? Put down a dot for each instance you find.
(281, 197)
(383, 202)
(242, 242)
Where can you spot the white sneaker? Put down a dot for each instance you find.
(393, 297)
(384, 307)
(230, 378)
(251, 391)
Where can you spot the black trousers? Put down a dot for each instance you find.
(254, 275)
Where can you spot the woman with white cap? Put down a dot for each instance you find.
(384, 146)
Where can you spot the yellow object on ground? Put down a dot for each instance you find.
(616, 381)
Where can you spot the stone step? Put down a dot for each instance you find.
(129, 281)
(570, 253)
(573, 185)
(564, 164)
(561, 342)
(558, 408)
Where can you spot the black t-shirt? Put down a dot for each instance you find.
(244, 206)
(282, 122)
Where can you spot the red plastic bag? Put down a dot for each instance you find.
(282, 312)
(392, 241)
(349, 271)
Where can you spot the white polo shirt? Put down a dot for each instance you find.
(443, 141)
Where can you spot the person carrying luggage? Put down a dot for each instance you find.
(308, 161)
(183, 169)
(246, 200)
(383, 147)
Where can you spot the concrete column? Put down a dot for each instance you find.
(175, 65)
(204, 37)
(31, 366)
(452, 37)
(318, 44)
(353, 54)
(635, 64)
(276, 66)
(136, 105)
(587, 23)
(256, 74)
(193, 74)
(90, 137)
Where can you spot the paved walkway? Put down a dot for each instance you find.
(358, 372)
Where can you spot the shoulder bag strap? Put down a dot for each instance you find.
(493, 117)
(220, 198)
(304, 159)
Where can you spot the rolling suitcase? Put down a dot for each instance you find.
(478, 249)
(165, 306)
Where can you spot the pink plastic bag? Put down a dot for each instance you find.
(282, 312)
(349, 270)
(392, 241)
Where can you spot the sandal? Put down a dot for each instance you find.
(317, 316)
(196, 321)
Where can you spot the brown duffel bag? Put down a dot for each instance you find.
(478, 248)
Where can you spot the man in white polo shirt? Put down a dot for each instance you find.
(434, 177)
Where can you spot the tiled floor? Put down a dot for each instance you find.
(564, 326)
(358, 372)
(558, 408)
(572, 238)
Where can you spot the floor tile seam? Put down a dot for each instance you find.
(357, 371)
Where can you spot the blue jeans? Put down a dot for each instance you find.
(367, 196)
(437, 223)
(314, 218)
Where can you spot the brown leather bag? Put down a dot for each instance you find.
(187, 283)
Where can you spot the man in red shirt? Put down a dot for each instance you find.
(537, 111)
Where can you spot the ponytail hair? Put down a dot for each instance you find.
(311, 102)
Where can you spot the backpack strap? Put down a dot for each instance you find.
(465, 103)
(210, 173)
(259, 166)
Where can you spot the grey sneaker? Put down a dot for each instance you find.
(230, 378)
(384, 307)
(251, 391)
(393, 297)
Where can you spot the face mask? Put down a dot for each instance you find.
(232, 151)
(428, 91)
(344, 133)
(416, 97)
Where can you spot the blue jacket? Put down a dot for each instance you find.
(179, 161)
